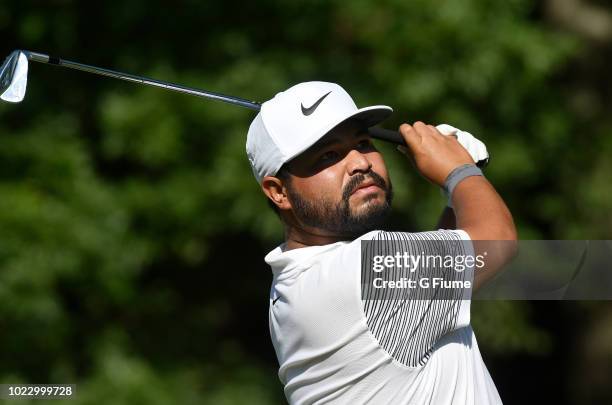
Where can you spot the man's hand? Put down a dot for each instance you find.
(435, 155)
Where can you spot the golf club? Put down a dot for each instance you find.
(14, 76)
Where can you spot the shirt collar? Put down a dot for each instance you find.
(281, 260)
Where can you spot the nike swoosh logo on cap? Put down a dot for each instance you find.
(309, 110)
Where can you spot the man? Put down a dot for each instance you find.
(336, 341)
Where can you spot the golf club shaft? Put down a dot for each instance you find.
(42, 58)
(379, 133)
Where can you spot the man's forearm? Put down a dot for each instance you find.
(482, 213)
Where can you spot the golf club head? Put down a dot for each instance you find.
(14, 77)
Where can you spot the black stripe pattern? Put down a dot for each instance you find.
(407, 322)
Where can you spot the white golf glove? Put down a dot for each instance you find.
(474, 146)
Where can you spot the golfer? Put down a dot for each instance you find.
(338, 342)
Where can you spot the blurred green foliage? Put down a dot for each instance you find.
(133, 232)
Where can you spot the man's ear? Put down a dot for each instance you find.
(275, 190)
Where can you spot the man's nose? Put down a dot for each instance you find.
(357, 162)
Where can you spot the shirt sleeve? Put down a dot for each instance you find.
(415, 288)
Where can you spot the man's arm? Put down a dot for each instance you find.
(478, 209)
(484, 216)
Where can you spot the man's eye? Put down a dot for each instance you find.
(328, 156)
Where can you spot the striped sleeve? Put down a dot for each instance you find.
(429, 298)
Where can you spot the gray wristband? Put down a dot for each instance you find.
(455, 177)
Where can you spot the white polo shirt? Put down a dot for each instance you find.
(336, 346)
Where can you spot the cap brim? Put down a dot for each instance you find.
(368, 116)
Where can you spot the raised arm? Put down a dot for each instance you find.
(478, 208)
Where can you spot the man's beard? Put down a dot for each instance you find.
(338, 218)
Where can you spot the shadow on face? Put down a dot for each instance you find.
(332, 149)
(340, 184)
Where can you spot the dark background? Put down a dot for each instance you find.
(132, 232)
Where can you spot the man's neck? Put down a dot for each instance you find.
(296, 238)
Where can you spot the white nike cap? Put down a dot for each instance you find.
(297, 118)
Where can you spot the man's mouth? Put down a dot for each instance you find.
(364, 185)
(368, 186)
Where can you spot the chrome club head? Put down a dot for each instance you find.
(14, 77)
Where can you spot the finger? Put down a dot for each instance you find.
(412, 138)
(433, 131)
(421, 128)
(429, 130)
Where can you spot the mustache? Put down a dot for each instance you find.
(356, 181)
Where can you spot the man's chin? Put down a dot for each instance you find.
(370, 215)
(369, 205)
